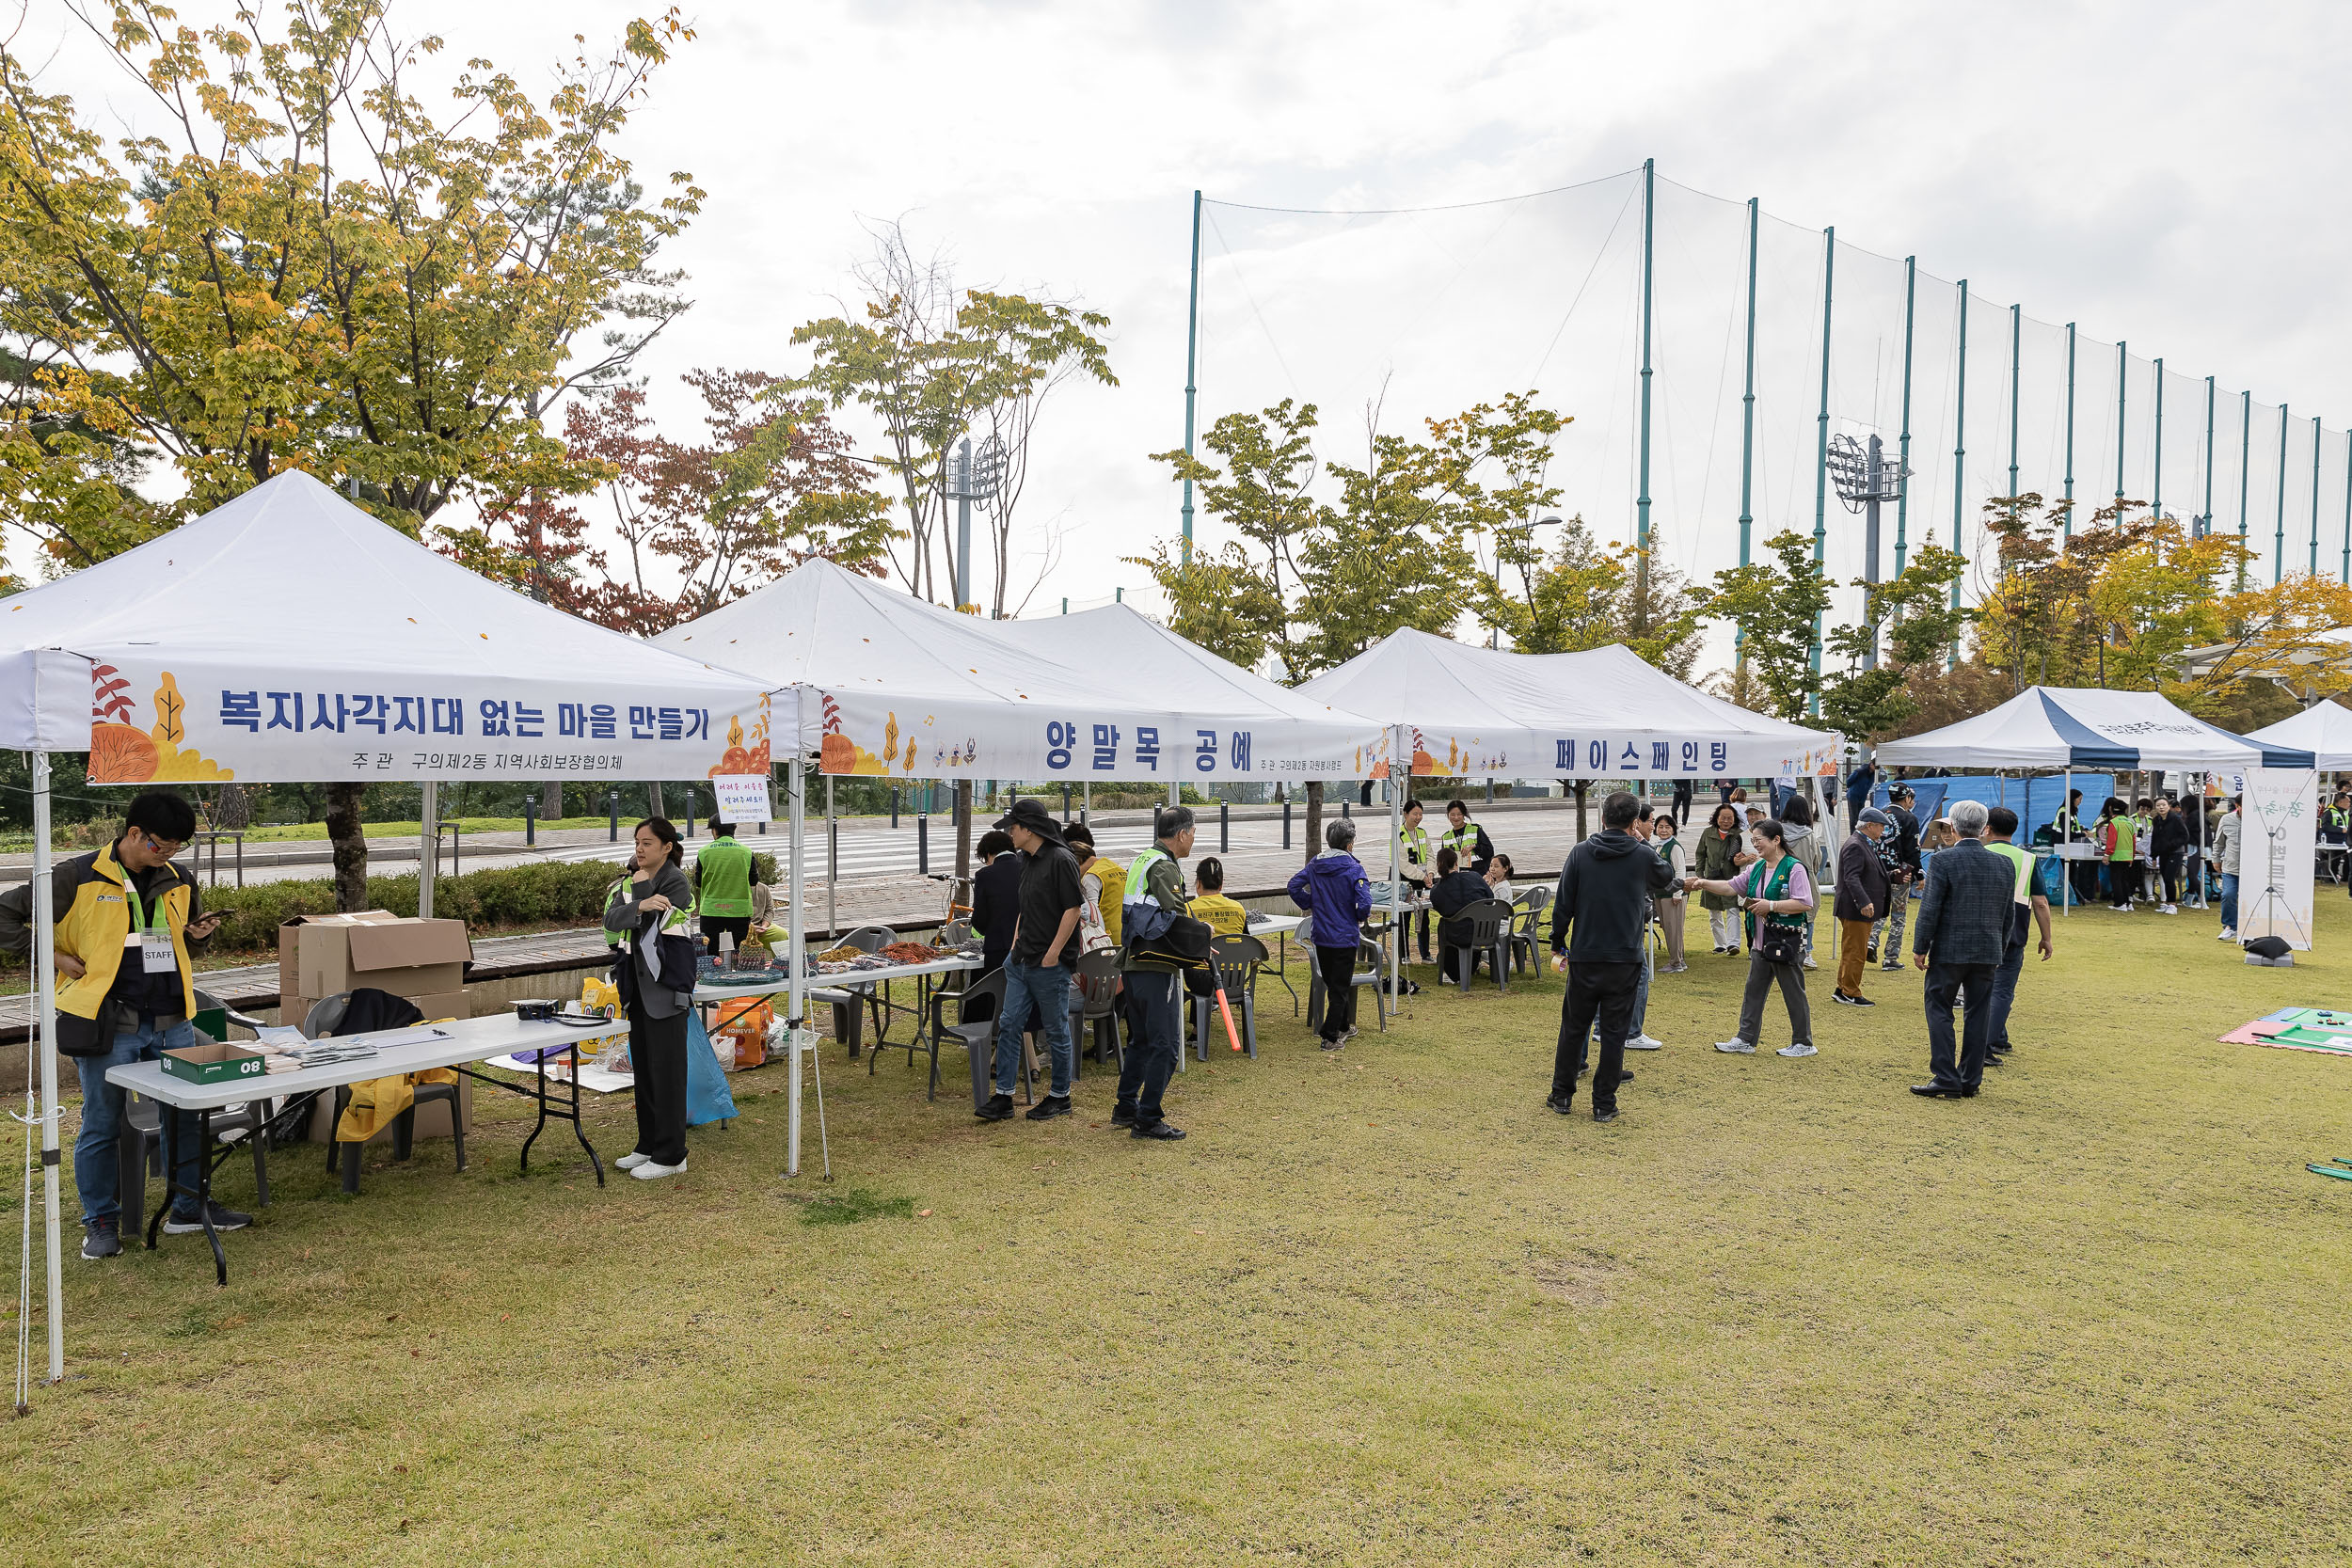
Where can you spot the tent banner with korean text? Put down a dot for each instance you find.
(2274, 885)
(290, 636)
(902, 688)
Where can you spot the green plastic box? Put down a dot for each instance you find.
(214, 1064)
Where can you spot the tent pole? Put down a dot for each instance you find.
(797, 925)
(2066, 867)
(832, 863)
(428, 845)
(1398, 746)
(52, 1112)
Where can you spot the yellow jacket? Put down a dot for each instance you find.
(1219, 914)
(93, 922)
(1113, 877)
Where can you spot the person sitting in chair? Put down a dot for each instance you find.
(1457, 889)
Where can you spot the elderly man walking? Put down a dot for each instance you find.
(1961, 937)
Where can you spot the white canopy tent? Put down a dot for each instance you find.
(289, 636)
(2059, 729)
(2324, 729)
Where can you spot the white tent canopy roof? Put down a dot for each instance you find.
(2324, 729)
(1605, 712)
(911, 690)
(2060, 727)
(345, 636)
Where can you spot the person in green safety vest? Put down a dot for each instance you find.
(1466, 838)
(1417, 863)
(723, 886)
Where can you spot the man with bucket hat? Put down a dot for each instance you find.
(1038, 970)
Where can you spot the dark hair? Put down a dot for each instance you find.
(993, 842)
(1775, 830)
(161, 813)
(1715, 818)
(1903, 792)
(1448, 858)
(1618, 810)
(2000, 819)
(1169, 821)
(721, 830)
(1504, 862)
(1077, 832)
(1410, 805)
(1209, 876)
(1797, 812)
(1454, 805)
(2074, 795)
(2145, 801)
(1645, 813)
(666, 831)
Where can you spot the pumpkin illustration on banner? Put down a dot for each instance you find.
(747, 751)
(121, 752)
(838, 752)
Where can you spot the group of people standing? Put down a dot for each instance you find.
(2142, 850)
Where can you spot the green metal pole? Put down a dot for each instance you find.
(2245, 478)
(2069, 430)
(1821, 445)
(2155, 489)
(2314, 566)
(2016, 345)
(2279, 551)
(1192, 362)
(2209, 454)
(1959, 452)
(2346, 578)
(1649, 237)
(2122, 364)
(1903, 491)
(1747, 400)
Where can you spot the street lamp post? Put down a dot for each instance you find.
(1865, 480)
(1494, 634)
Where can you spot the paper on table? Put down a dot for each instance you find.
(385, 1039)
(281, 1037)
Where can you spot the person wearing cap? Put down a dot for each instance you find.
(1862, 896)
(1038, 969)
(721, 879)
(1901, 849)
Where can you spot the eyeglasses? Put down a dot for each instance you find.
(164, 847)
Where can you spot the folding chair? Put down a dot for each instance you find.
(1094, 1009)
(1372, 970)
(1234, 963)
(1489, 923)
(979, 1034)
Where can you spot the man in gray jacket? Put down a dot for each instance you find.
(1960, 939)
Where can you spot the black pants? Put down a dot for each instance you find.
(1601, 993)
(713, 926)
(1972, 985)
(1151, 1003)
(2122, 881)
(1411, 921)
(1451, 959)
(2085, 875)
(2168, 866)
(657, 1053)
(1337, 965)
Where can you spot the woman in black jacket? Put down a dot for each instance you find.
(2168, 841)
(658, 900)
(1458, 888)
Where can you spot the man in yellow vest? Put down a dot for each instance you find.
(723, 886)
(1154, 991)
(125, 917)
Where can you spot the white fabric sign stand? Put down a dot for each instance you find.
(2282, 815)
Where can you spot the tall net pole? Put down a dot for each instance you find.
(2156, 487)
(1959, 460)
(2209, 454)
(2123, 369)
(1903, 491)
(2346, 578)
(2069, 524)
(1821, 449)
(2245, 479)
(2016, 349)
(1192, 364)
(1649, 236)
(2313, 569)
(2278, 547)
(1747, 402)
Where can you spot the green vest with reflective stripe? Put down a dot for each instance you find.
(1139, 875)
(723, 879)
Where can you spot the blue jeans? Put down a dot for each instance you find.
(2004, 993)
(2228, 900)
(1033, 990)
(96, 1171)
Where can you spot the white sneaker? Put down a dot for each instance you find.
(630, 1161)
(1799, 1049)
(2168, 908)
(1810, 964)
(652, 1172)
(2228, 935)
(1736, 1048)
(1643, 1043)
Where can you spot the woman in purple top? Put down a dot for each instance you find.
(1776, 890)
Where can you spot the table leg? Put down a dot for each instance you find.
(540, 1125)
(171, 1166)
(204, 1195)
(578, 1131)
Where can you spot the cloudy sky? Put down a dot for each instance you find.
(2161, 173)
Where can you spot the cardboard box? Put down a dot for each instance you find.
(322, 955)
(213, 1063)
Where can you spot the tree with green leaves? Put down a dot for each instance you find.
(1775, 608)
(1910, 624)
(933, 364)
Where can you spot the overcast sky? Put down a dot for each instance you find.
(2170, 174)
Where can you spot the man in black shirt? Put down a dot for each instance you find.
(1038, 969)
(1901, 859)
(1603, 899)
(1457, 889)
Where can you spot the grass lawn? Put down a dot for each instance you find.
(1383, 1307)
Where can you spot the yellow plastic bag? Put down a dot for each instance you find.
(600, 994)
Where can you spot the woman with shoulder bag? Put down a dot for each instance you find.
(1778, 894)
(656, 976)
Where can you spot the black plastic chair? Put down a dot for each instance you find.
(1489, 923)
(1094, 1010)
(324, 1020)
(1371, 968)
(1235, 961)
(979, 1034)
